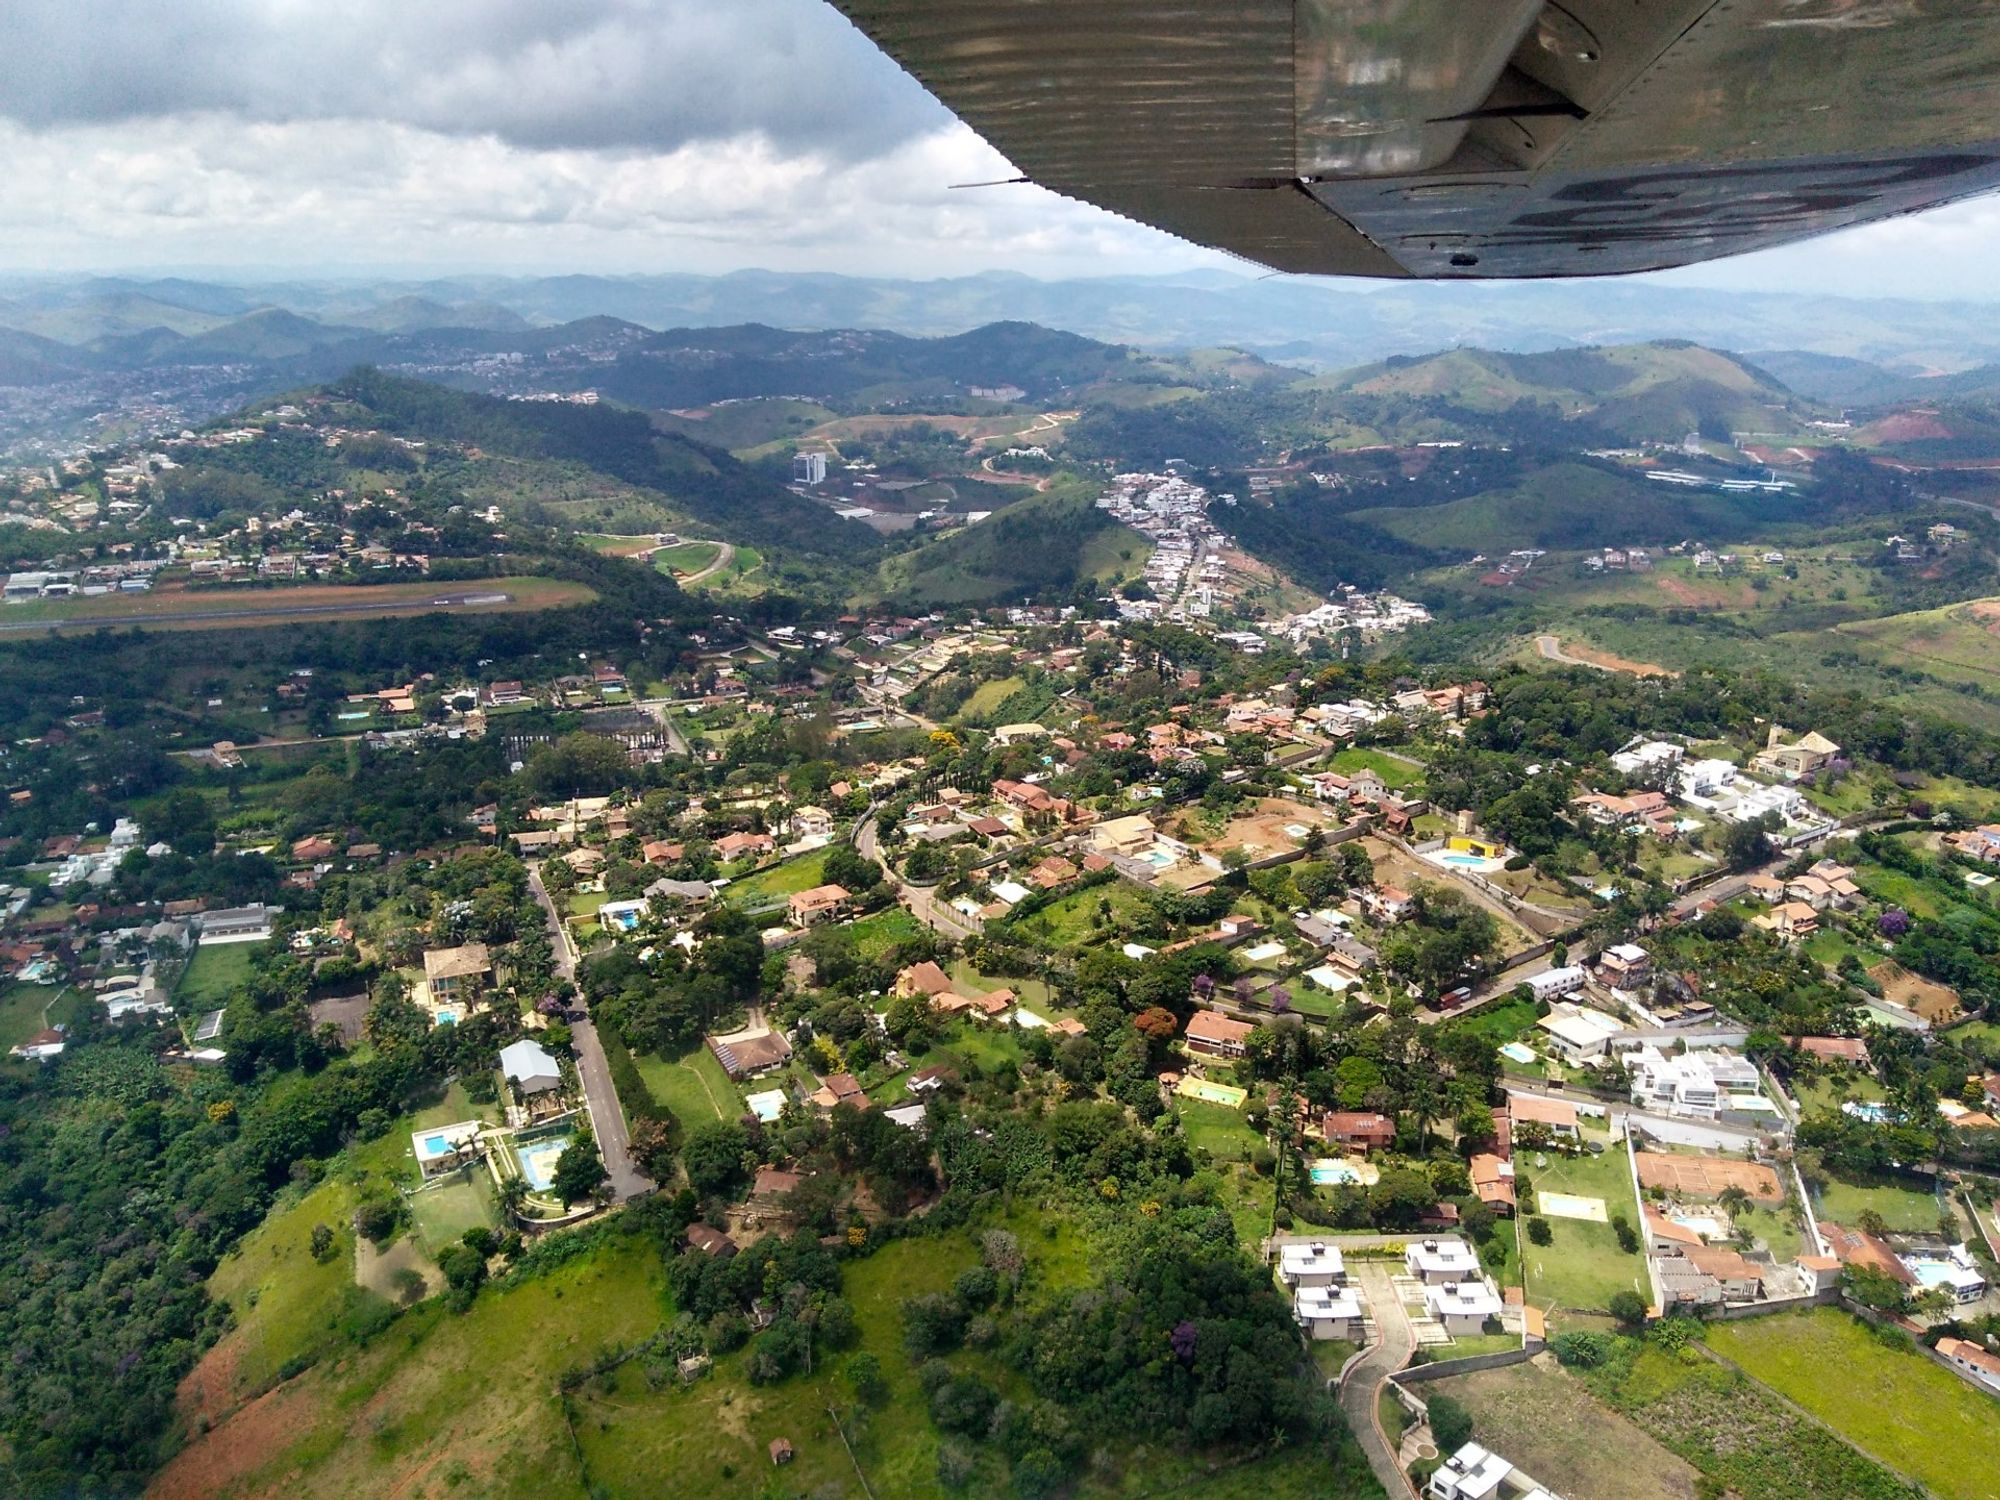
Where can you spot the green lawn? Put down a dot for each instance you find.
(585, 903)
(1032, 992)
(875, 935)
(1905, 1203)
(214, 973)
(778, 881)
(694, 1087)
(1499, 1022)
(1217, 1130)
(990, 695)
(1583, 1265)
(1395, 773)
(686, 557)
(1891, 1402)
(21, 1007)
(444, 1213)
(1066, 922)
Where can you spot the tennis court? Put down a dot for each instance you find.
(1707, 1176)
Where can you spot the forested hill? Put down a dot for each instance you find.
(705, 483)
(1632, 391)
(693, 366)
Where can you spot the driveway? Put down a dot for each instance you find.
(593, 1071)
(1359, 1394)
(922, 901)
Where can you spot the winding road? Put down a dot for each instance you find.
(1360, 1393)
(593, 1070)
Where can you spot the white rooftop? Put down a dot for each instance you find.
(1298, 1260)
(1432, 1256)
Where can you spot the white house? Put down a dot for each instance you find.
(1698, 1085)
(1552, 984)
(1316, 1264)
(1476, 1473)
(1330, 1312)
(1441, 1262)
(1577, 1034)
(1462, 1307)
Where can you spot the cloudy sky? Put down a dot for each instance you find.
(552, 135)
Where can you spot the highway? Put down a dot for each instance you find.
(600, 1095)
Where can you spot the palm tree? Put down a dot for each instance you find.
(513, 1195)
(1734, 1199)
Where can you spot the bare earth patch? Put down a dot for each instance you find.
(1554, 1429)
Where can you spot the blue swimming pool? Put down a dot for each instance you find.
(539, 1158)
(436, 1145)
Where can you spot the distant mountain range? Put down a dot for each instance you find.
(1321, 324)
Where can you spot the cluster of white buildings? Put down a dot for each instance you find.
(1324, 1303)
(1458, 1296)
(98, 866)
(1374, 615)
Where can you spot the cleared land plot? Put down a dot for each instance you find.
(1906, 1204)
(1582, 1266)
(1891, 1402)
(686, 557)
(693, 1086)
(448, 1404)
(1707, 1176)
(1960, 642)
(774, 882)
(215, 971)
(168, 609)
(1936, 1003)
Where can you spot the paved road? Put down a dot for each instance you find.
(722, 560)
(600, 1095)
(1360, 1393)
(922, 901)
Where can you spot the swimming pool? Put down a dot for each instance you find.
(1212, 1093)
(447, 1018)
(436, 1145)
(1515, 1052)
(1159, 859)
(1325, 1173)
(539, 1158)
(1464, 861)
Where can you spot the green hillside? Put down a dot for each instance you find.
(703, 483)
(1572, 505)
(1658, 390)
(1054, 541)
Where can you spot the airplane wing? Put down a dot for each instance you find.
(1473, 138)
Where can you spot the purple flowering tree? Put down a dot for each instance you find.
(1244, 990)
(1204, 986)
(1183, 1339)
(1893, 923)
(1281, 1001)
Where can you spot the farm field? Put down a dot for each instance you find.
(1549, 1425)
(1583, 1266)
(184, 609)
(214, 971)
(1893, 1403)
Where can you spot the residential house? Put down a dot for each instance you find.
(1330, 1312)
(818, 904)
(812, 823)
(925, 979)
(1476, 1473)
(1217, 1035)
(1462, 1307)
(1358, 1130)
(1794, 920)
(1129, 836)
(1387, 904)
(1312, 1264)
(1741, 1280)
(1557, 1116)
(529, 1068)
(455, 976)
(734, 846)
(1625, 966)
(1969, 1359)
(1693, 1085)
(1578, 1034)
(1493, 1182)
(660, 852)
(1806, 756)
(40, 1047)
(1553, 984)
(837, 1089)
(1441, 1262)
(315, 847)
(748, 1055)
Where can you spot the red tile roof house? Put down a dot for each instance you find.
(925, 978)
(819, 903)
(1361, 1130)
(735, 845)
(1217, 1035)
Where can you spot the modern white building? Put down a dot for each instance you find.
(1441, 1262)
(1463, 1307)
(1316, 1264)
(1331, 1312)
(1694, 1085)
(1577, 1034)
(1476, 1473)
(1552, 984)
(809, 468)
